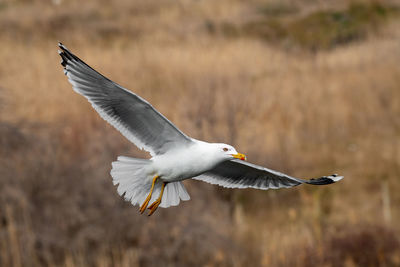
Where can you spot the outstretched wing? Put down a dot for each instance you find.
(130, 114)
(241, 174)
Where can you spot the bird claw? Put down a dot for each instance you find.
(153, 207)
(146, 202)
(144, 205)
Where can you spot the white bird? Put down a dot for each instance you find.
(175, 156)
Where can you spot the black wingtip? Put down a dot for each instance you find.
(63, 47)
(65, 54)
(325, 180)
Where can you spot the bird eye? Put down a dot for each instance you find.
(225, 149)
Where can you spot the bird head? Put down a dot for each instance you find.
(229, 152)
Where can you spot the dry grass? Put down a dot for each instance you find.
(306, 114)
(316, 30)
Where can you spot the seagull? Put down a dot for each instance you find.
(175, 156)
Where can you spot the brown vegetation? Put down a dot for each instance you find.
(334, 109)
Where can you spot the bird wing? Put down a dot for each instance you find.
(130, 114)
(241, 174)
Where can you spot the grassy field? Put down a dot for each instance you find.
(305, 87)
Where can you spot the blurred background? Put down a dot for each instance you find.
(305, 87)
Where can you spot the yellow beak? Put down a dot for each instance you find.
(239, 156)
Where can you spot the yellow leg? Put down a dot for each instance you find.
(156, 203)
(146, 202)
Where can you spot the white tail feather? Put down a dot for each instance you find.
(134, 184)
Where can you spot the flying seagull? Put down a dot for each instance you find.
(175, 156)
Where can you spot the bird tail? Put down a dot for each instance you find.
(134, 184)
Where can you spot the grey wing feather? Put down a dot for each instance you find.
(133, 116)
(242, 174)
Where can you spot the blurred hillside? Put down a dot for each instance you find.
(305, 87)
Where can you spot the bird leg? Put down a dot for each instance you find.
(156, 203)
(146, 202)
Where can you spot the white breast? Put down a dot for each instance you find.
(180, 164)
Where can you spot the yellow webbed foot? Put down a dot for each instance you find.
(153, 207)
(146, 202)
